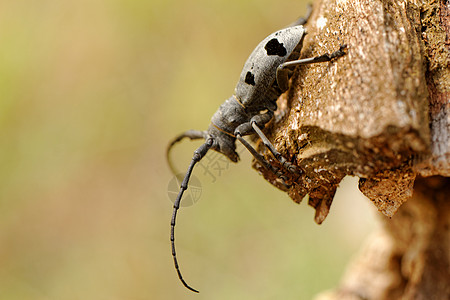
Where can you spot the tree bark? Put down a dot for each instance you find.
(382, 113)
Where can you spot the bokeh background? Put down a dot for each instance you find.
(91, 92)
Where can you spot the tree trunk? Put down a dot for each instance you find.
(382, 113)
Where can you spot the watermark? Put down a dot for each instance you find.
(190, 196)
(213, 165)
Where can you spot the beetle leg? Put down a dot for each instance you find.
(303, 20)
(283, 161)
(257, 123)
(246, 129)
(282, 70)
(254, 124)
(262, 160)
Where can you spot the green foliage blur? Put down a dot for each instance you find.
(91, 92)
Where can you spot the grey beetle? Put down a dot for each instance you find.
(264, 78)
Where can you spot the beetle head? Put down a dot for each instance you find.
(224, 143)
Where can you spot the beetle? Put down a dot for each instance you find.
(264, 77)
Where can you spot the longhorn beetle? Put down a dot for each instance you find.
(263, 79)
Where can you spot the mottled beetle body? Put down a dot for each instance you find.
(263, 79)
(257, 88)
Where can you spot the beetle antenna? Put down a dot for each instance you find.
(198, 155)
(192, 134)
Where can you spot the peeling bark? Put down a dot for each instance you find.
(382, 113)
(409, 257)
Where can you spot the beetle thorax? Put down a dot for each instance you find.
(230, 115)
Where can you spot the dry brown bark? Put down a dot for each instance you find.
(382, 113)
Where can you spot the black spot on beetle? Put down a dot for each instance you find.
(250, 78)
(274, 47)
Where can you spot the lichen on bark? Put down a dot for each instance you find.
(365, 114)
(382, 113)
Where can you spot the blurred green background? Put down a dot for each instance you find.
(91, 92)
